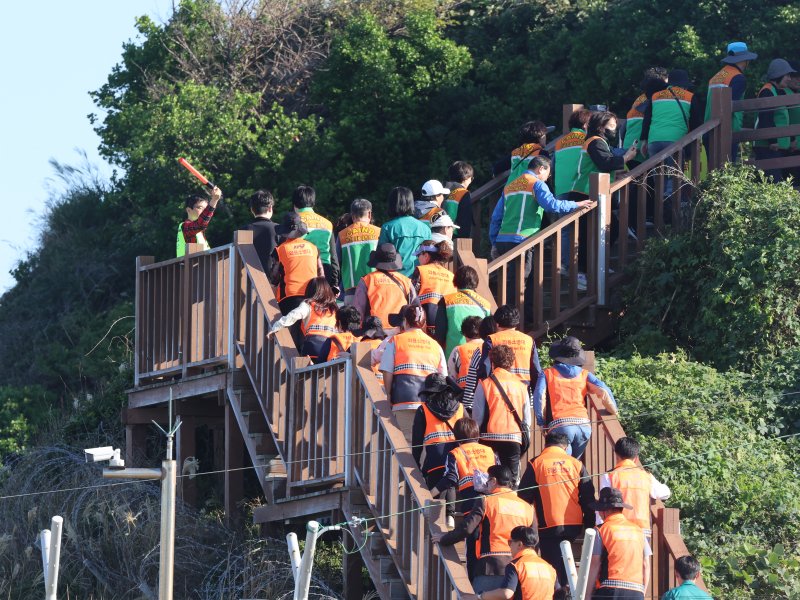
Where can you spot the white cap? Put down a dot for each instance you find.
(433, 188)
(442, 219)
(440, 237)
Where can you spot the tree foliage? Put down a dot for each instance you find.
(728, 288)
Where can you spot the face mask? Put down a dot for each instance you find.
(611, 135)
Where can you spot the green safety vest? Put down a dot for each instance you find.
(320, 232)
(586, 166)
(781, 119)
(567, 157)
(180, 243)
(794, 112)
(633, 128)
(522, 215)
(670, 116)
(459, 306)
(356, 243)
(723, 79)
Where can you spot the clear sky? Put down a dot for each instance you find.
(52, 53)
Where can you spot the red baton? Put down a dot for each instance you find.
(185, 164)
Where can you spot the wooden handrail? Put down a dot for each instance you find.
(756, 104)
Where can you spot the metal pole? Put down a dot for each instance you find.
(53, 558)
(303, 582)
(569, 565)
(294, 554)
(602, 210)
(586, 560)
(349, 480)
(44, 538)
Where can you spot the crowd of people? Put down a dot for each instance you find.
(466, 387)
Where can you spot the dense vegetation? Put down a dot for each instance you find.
(355, 97)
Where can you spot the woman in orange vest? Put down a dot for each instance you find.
(295, 262)
(502, 408)
(348, 320)
(432, 279)
(433, 430)
(317, 317)
(384, 291)
(526, 356)
(409, 357)
(559, 398)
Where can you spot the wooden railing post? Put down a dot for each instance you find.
(567, 113)
(600, 192)
(141, 261)
(721, 138)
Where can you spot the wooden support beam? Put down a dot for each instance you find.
(197, 385)
(300, 506)
(135, 441)
(234, 461)
(186, 446)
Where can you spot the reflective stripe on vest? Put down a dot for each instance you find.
(623, 554)
(723, 78)
(385, 296)
(416, 355)
(346, 340)
(633, 127)
(180, 242)
(356, 242)
(458, 307)
(586, 166)
(522, 345)
(320, 232)
(558, 476)
(439, 439)
(465, 353)
(566, 160)
(318, 323)
(299, 260)
(567, 398)
(452, 201)
(502, 426)
(470, 456)
(634, 483)
(503, 510)
(670, 115)
(537, 579)
(522, 215)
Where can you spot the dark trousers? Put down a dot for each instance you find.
(449, 496)
(550, 549)
(287, 305)
(762, 153)
(508, 453)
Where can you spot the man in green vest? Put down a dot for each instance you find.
(320, 231)
(518, 215)
(199, 211)
(354, 245)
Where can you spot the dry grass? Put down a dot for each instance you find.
(110, 541)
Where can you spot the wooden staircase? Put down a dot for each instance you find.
(321, 439)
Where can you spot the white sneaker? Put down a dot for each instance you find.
(451, 522)
(582, 284)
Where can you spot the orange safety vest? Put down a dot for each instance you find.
(299, 260)
(623, 554)
(567, 404)
(558, 476)
(435, 282)
(465, 354)
(470, 456)
(537, 579)
(416, 355)
(502, 425)
(439, 438)
(522, 345)
(634, 483)
(385, 296)
(318, 323)
(341, 342)
(503, 510)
